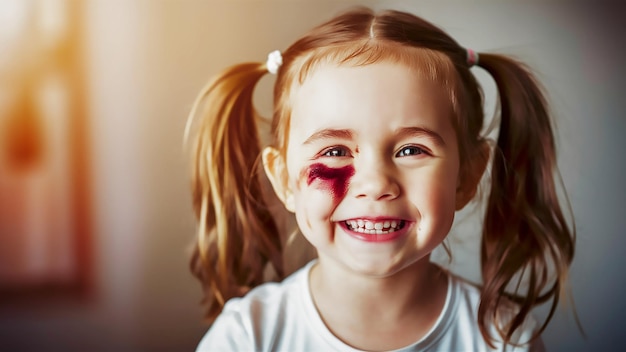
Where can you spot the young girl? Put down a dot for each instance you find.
(376, 143)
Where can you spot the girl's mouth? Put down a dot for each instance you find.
(374, 227)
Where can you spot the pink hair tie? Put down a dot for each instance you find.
(472, 57)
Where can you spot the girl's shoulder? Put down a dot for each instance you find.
(254, 320)
(269, 299)
(464, 301)
(270, 296)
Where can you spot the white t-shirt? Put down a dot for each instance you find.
(283, 317)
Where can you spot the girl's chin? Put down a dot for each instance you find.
(380, 269)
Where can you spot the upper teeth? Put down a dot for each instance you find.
(374, 227)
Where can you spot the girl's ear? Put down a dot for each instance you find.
(276, 171)
(468, 182)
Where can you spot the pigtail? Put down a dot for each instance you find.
(525, 234)
(237, 235)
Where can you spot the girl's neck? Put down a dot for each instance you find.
(379, 313)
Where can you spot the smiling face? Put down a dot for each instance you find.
(372, 164)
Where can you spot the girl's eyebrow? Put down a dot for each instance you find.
(406, 132)
(329, 133)
(403, 132)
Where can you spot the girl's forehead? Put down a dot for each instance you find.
(335, 88)
(382, 93)
(326, 66)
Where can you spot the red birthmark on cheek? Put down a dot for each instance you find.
(336, 180)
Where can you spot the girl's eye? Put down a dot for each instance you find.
(335, 152)
(410, 151)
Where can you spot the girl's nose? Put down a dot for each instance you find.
(375, 183)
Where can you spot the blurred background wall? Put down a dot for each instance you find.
(99, 92)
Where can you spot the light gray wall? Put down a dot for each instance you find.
(148, 59)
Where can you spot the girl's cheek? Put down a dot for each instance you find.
(333, 181)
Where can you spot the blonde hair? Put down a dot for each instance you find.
(524, 227)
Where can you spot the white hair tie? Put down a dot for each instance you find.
(274, 61)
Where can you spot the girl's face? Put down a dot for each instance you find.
(372, 165)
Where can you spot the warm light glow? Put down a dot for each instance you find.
(37, 167)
